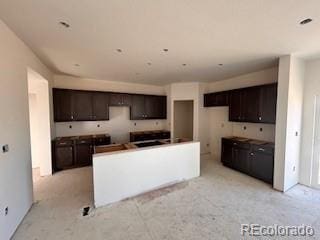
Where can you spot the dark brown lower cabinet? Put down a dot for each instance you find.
(254, 160)
(71, 153)
(83, 153)
(149, 135)
(262, 164)
(64, 157)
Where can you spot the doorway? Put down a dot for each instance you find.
(183, 119)
(39, 120)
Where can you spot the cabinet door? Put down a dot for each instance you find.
(227, 154)
(115, 99)
(261, 165)
(241, 159)
(209, 100)
(268, 103)
(119, 99)
(250, 104)
(137, 110)
(62, 103)
(100, 104)
(163, 107)
(152, 107)
(126, 99)
(64, 157)
(82, 105)
(221, 99)
(235, 106)
(83, 155)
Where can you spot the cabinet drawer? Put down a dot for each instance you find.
(263, 149)
(165, 135)
(83, 141)
(62, 143)
(102, 141)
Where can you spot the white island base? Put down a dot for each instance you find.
(124, 174)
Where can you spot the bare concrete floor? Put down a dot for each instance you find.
(210, 207)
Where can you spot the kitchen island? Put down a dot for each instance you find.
(136, 168)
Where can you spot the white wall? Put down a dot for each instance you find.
(311, 92)
(15, 166)
(119, 124)
(33, 115)
(120, 175)
(218, 117)
(289, 122)
(41, 141)
(190, 91)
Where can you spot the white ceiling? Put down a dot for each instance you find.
(244, 35)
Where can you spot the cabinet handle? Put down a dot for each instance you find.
(251, 154)
(235, 144)
(63, 143)
(83, 142)
(260, 118)
(71, 116)
(261, 149)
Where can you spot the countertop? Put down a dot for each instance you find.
(149, 131)
(82, 137)
(251, 141)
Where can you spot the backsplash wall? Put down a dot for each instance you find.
(219, 127)
(118, 126)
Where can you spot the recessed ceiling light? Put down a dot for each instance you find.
(220, 64)
(165, 49)
(119, 50)
(64, 24)
(306, 21)
(77, 65)
(149, 63)
(184, 64)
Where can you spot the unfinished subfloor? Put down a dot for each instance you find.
(210, 207)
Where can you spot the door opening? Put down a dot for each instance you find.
(39, 120)
(183, 119)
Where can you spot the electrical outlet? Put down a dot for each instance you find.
(297, 134)
(294, 168)
(6, 211)
(70, 126)
(5, 148)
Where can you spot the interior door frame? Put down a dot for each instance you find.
(315, 165)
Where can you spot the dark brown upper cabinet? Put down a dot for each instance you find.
(77, 105)
(254, 104)
(62, 100)
(137, 110)
(100, 105)
(268, 103)
(155, 107)
(250, 104)
(82, 106)
(235, 111)
(148, 107)
(216, 99)
(120, 99)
